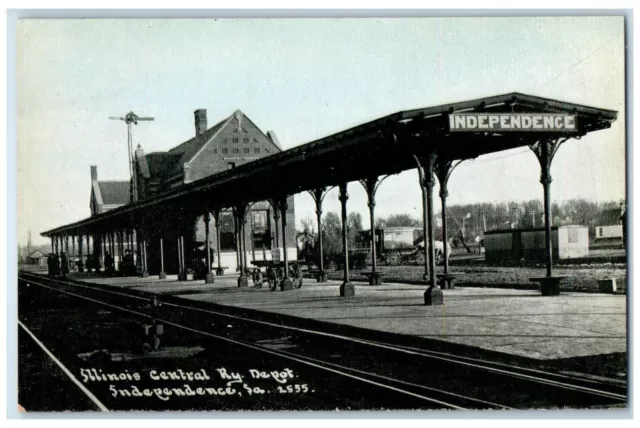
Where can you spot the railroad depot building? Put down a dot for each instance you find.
(233, 168)
(231, 142)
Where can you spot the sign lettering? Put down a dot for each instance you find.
(512, 122)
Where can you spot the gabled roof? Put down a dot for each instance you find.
(161, 164)
(610, 216)
(142, 162)
(95, 190)
(36, 254)
(190, 148)
(114, 192)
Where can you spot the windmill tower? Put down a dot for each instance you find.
(130, 118)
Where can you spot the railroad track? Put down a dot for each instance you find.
(448, 381)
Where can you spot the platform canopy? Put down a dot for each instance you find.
(387, 145)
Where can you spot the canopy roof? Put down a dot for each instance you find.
(380, 147)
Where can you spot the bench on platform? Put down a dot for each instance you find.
(549, 285)
(375, 278)
(445, 280)
(220, 270)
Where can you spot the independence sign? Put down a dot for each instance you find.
(512, 122)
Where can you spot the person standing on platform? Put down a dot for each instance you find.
(64, 265)
(108, 264)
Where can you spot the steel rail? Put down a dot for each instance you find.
(319, 364)
(501, 368)
(66, 371)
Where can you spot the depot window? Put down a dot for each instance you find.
(227, 232)
(260, 228)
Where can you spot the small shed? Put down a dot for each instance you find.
(609, 224)
(37, 258)
(567, 242)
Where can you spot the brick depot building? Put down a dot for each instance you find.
(231, 142)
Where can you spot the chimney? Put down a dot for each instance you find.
(94, 173)
(200, 117)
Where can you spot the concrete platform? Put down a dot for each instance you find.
(516, 322)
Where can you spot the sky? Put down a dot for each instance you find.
(304, 79)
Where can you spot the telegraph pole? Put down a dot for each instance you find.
(130, 118)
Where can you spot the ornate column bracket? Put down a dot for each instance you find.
(426, 166)
(371, 185)
(443, 168)
(318, 196)
(545, 150)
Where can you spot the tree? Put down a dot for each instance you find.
(332, 233)
(398, 220)
(308, 228)
(354, 226)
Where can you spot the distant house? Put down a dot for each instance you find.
(610, 223)
(37, 258)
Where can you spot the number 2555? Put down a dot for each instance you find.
(293, 388)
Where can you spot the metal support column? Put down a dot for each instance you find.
(65, 255)
(103, 257)
(276, 217)
(162, 274)
(209, 276)
(545, 149)
(236, 230)
(240, 211)
(219, 270)
(243, 236)
(371, 186)
(80, 261)
(145, 269)
(73, 252)
(425, 214)
(89, 261)
(179, 261)
(182, 276)
(286, 283)
(318, 196)
(426, 164)
(346, 289)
